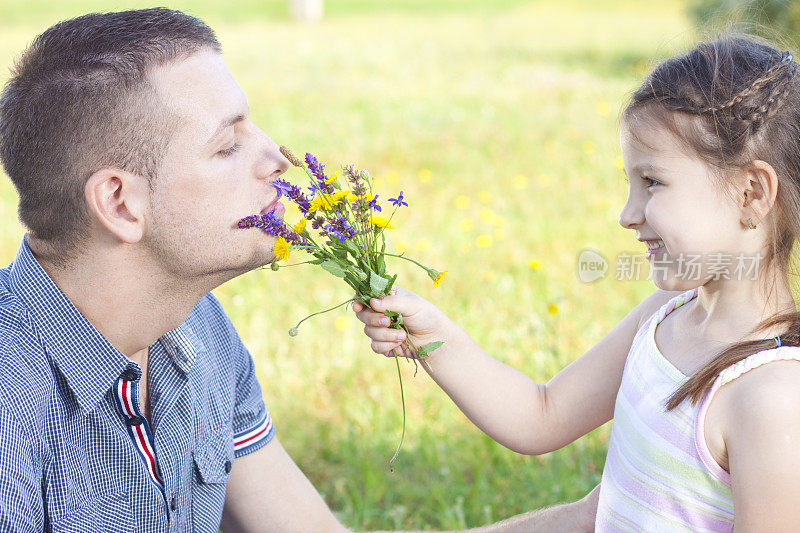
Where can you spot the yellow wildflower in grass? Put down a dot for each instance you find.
(342, 323)
(462, 202)
(300, 226)
(543, 180)
(535, 265)
(332, 178)
(281, 249)
(520, 182)
(602, 108)
(422, 245)
(488, 216)
(484, 197)
(552, 309)
(392, 177)
(618, 162)
(425, 175)
(483, 241)
(401, 247)
(381, 222)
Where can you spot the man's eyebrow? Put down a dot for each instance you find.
(227, 123)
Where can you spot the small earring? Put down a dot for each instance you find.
(750, 224)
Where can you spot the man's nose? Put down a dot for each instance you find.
(273, 163)
(632, 214)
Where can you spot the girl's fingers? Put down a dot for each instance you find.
(384, 348)
(380, 334)
(371, 318)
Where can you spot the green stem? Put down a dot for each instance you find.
(403, 401)
(407, 259)
(325, 311)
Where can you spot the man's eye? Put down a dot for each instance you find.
(229, 151)
(651, 180)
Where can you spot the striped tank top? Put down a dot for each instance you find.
(659, 474)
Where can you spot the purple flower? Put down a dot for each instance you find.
(374, 203)
(274, 226)
(398, 202)
(317, 170)
(294, 192)
(339, 228)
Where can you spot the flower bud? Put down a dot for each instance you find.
(293, 332)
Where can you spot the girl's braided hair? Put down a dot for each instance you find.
(730, 102)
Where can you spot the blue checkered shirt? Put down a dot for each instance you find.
(76, 454)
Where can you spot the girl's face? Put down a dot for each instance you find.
(672, 198)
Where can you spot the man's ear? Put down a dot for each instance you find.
(118, 201)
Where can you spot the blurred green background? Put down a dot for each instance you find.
(499, 121)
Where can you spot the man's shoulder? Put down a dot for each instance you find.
(26, 377)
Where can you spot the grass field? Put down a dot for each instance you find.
(498, 120)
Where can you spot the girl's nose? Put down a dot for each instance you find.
(632, 214)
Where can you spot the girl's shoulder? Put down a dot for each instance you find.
(763, 385)
(651, 305)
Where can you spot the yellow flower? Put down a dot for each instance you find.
(380, 222)
(535, 265)
(300, 226)
(619, 163)
(484, 197)
(342, 323)
(462, 202)
(281, 249)
(483, 241)
(319, 203)
(425, 175)
(520, 182)
(602, 108)
(437, 277)
(337, 197)
(552, 309)
(332, 178)
(588, 147)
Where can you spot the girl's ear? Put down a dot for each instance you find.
(760, 190)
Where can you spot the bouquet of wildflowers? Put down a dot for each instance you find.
(346, 238)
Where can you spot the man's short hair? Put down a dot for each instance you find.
(79, 100)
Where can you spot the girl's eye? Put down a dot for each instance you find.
(229, 151)
(652, 181)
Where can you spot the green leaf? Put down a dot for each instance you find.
(334, 268)
(316, 261)
(397, 319)
(377, 283)
(428, 348)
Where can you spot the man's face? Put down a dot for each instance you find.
(217, 170)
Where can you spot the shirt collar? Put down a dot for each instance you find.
(89, 362)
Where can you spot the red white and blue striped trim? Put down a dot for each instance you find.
(127, 403)
(245, 440)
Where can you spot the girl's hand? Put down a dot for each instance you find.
(423, 320)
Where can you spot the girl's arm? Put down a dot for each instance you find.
(761, 431)
(507, 405)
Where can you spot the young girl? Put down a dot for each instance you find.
(701, 377)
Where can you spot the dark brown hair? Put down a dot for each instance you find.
(730, 102)
(79, 100)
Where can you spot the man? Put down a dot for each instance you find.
(127, 399)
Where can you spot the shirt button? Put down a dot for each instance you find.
(135, 421)
(173, 504)
(227, 467)
(129, 375)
